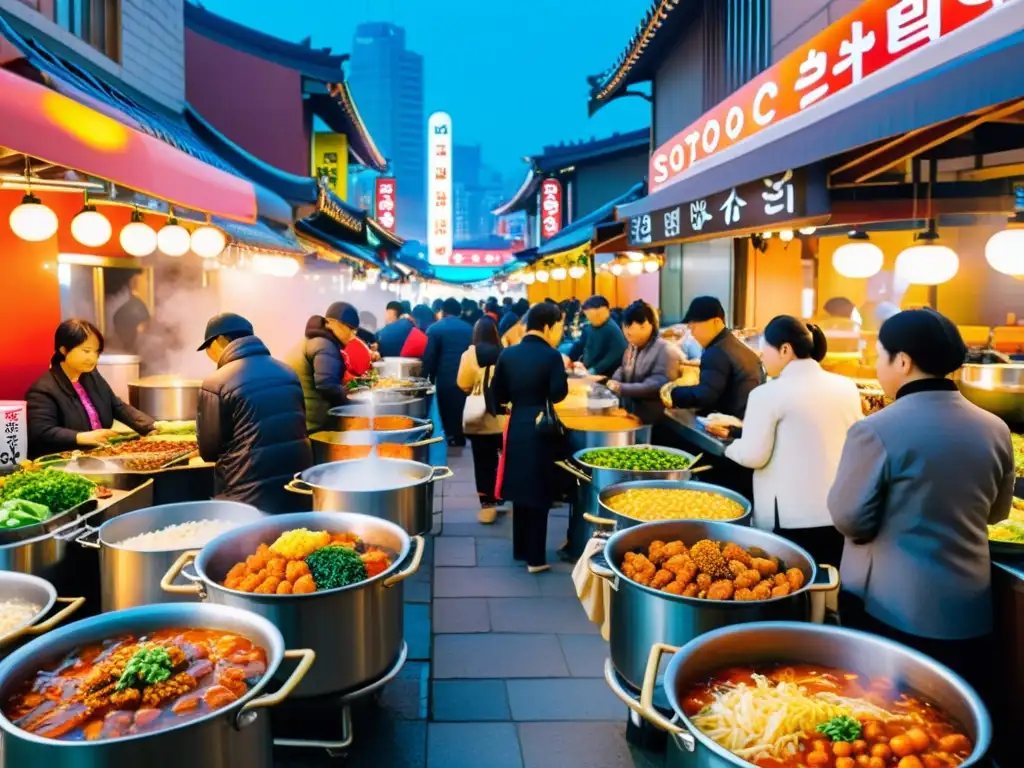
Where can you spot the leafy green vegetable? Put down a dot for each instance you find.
(57, 490)
(147, 667)
(40, 512)
(333, 567)
(841, 728)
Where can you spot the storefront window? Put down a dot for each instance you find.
(95, 21)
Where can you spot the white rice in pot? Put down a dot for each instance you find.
(192, 535)
(15, 614)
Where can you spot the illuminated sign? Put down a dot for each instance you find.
(330, 161)
(550, 208)
(875, 35)
(439, 188)
(468, 257)
(386, 202)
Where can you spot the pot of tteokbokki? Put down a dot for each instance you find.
(784, 694)
(330, 582)
(675, 580)
(163, 686)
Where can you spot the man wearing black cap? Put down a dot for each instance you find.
(251, 419)
(603, 342)
(319, 363)
(729, 369)
(400, 337)
(447, 339)
(917, 486)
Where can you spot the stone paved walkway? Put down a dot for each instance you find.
(505, 669)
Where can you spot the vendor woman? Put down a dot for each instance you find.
(71, 405)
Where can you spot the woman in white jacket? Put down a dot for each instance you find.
(793, 437)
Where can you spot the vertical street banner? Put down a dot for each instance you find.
(330, 161)
(385, 202)
(550, 208)
(439, 188)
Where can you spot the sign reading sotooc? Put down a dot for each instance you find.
(439, 188)
(386, 202)
(550, 208)
(875, 35)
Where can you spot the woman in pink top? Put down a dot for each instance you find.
(71, 405)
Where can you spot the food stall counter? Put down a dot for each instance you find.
(1008, 589)
(683, 423)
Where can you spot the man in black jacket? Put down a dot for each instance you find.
(603, 342)
(729, 369)
(251, 421)
(447, 339)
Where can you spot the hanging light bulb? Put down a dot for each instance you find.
(137, 237)
(858, 257)
(208, 242)
(90, 227)
(635, 255)
(559, 273)
(274, 266)
(576, 271)
(33, 221)
(927, 262)
(527, 278)
(372, 274)
(173, 239)
(542, 275)
(808, 230)
(617, 269)
(766, 235)
(786, 235)
(635, 267)
(1005, 250)
(651, 265)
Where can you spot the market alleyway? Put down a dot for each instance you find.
(504, 670)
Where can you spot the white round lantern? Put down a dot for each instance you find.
(559, 273)
(528, 278)
(543, 276)
(173, 239)
(576, 271)
(90, 227)
(808, 230)
(33, 221)
(635, 267)
(927, 263)
(617, 269)
(651, 266)
(208, 242)
(137, 237)
(858, 258)
(1005, 251)
(786, 235)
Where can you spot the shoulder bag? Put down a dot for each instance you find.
(477, 418)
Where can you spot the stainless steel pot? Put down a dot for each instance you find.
(32, 589)
(997, 388)
(774, 642)
(35, 549)
(356, 631)
(131, 577)
(229, 737)
(641, 616)
(419, 429)
(581, 440)
(381, 402)
(404, 491)
(345, 446)
(399, 367)
(118, 371)
(166, 398)
(613, 519)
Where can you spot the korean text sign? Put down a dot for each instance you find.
(876, 34)
(13, 434)
(386, 202)
(550, 208)
(439, 188)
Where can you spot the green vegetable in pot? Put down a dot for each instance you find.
(147, 667)
(635, 459)
(57, 490)
(22, 509)
(841, 728)
(333, 567)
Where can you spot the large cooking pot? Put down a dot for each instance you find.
(399, 367)
(166, 398)
(418, 427)
(773, 642)
(36, 549)
(583, 439)
(229, 737)
(356, 631)
(641, 616)
(613, 519)
(391, 489)
(344, 446)
(381, 402)
(997, 388)
(131, 577)
(32, 589)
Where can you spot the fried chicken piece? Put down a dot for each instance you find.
(628, 570)
(708, 557)
(654, 550)
(237, 572)
(704, 581)
(277, 567)
(129, 698)
(304, 586)
(295, 570)
(284, 588)
(744, 595)
(376, 561)
(232, 583)
(662, 579)
(765, 566)
(781, 591)
(233, 678)
(675, 588)
(249, 583)
(691, 590)
(268, 587)
(683, 567)
(348, 540)
(780, 579)
(761, 592)
(255, 563)
(669, 551)
(796, 578)
(747, 580)
(736, 568)
(720, 590)
(735, 552)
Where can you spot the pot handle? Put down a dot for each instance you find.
(417, 557)
(598, 566)
(73, 604)
(306, 658)
(423, 443)
(167, 582)
(573, 471)
(293, 486)
(441, 473)
(833, 580)
(80, 537)
(647, 710)
(595, 520)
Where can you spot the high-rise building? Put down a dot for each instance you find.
(477, 190)
(387, 81)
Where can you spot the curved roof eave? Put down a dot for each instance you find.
(522, 199)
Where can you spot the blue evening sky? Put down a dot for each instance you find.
(511, 73)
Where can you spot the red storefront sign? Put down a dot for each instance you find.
(550, 207)
(876, 34)
(465, 257)
(386, 202)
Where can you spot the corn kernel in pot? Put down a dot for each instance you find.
(650, 504)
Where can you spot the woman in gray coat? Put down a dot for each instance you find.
(648, 364)
(917, 485)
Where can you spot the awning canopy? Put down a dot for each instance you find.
(317, 231)
(972, 68)
(582, 231)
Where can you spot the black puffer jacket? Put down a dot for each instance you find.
(252, 422)
(321, 370)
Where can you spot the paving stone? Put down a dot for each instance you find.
(461, 615)
(555, 584)
(470, 700)
(417, 631)
(502, 529)
(563, 615)
(417, 590)
(455, 551)
(487, 582)
(594, 745)
(563, 699)
(471, 745)
(489, 656)
(585, 654)
(380, 742)
(492, 553)
(466, 514)
(407, 697)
